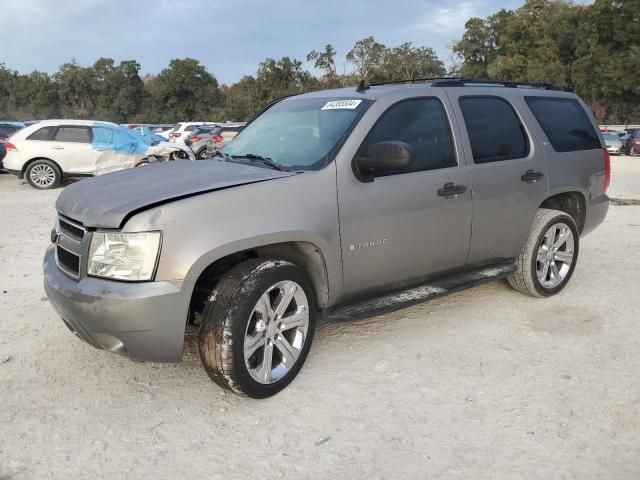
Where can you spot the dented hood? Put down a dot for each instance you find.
(109, 200)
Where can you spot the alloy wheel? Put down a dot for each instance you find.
(555, 255)
(42, 175)
(276, 332)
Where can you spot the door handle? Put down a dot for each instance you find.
(451, 190)
(531, 176)
(57, 148)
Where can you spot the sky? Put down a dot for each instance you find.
(229, 37)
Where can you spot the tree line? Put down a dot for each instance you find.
(592, 49)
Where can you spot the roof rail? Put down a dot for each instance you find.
(461, 82)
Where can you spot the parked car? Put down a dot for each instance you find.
(222, 135)
(163, 130)
(182, 130)
(342, 202)
(9, 128)
(632, 145)
(50, 151)
(614, 143)
(201, 138)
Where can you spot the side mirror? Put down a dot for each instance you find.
(384, 157)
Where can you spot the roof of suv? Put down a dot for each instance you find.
(378, 91)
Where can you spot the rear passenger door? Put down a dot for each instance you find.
(508, 171)
(71, 149)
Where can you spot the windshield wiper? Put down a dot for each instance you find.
(259, 158)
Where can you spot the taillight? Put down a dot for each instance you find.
(217, 138)
(10, 146)
(607, 171)
(193, 138)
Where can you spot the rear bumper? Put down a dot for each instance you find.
(144, 321)
(597, 209)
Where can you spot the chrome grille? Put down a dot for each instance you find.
(70, 246)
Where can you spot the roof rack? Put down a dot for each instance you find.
(460, 82)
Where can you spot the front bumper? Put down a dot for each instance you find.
(144, 321)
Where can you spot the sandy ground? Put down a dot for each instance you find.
(483, 384)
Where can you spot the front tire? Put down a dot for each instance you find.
(632, 152)
(43, 174)
(549, 257)
(258, 326)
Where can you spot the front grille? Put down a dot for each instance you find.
(68, 261)
(71, 246)
(70, 229)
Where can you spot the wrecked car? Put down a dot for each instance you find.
(339, 203)
(50, 151)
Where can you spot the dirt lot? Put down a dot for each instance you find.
(486, 383)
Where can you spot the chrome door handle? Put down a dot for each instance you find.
(531, 176)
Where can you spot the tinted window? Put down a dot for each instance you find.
(42, 134)
(495, 132)
(565, 123)
(73, 134)
(423, 124)
(190, 128)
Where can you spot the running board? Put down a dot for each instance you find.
(405, 298)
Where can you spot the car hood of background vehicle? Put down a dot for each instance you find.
(107, 201)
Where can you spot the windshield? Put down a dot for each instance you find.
(302, 134)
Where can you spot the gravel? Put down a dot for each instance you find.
(486, 383)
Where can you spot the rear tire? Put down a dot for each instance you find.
(632, 152)
(202, 154)
(258, 326)
(43, 174)
(549, 257)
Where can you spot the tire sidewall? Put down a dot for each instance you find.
(567, 220)
(27, 174)
(250, 292)
(201, 155)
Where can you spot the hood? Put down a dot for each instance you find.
(107, 201)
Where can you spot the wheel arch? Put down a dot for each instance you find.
(35, 159)
(572, 202)
(306, 255)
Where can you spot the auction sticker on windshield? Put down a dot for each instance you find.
(341, 104)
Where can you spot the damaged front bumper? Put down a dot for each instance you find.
(144, 321)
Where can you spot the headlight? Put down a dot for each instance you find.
(123, 256)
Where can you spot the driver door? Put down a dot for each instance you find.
(400, 228)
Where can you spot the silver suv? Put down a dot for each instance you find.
(337, 203)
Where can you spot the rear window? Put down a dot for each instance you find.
(565, 123)
(43, 133)
(495, 132)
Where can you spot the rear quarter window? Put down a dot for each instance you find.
(565, 123)
(44, 133)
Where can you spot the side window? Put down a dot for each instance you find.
(495, 132)
(565, 123)
(43, 133)
(423, 124)
(190, 128)
(73, 135)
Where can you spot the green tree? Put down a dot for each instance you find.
(367, 56)
(407, 62)
(183, 91)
